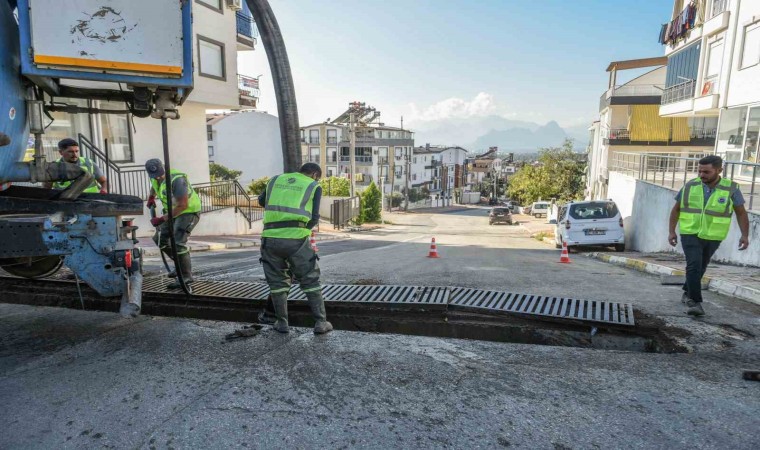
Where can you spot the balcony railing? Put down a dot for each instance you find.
(332, 140)
(246, 26)
(362, 159)
(674, 170)
(642, 90)
(718, 7)
(248, 89)
(697, 136)
(679, 92)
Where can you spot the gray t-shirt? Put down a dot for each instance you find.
(179, 187)
(736, 197)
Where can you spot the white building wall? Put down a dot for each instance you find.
(250, 142)
(744, 84)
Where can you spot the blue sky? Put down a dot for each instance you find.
(535, 60)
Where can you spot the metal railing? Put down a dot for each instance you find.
(619, 133)
(704, 133)
(636, 90)
(332, 140)
(248, 86)
(218, 195)
(718, 7)
(679, 92)
(245, 25)
(343, 211)
(623, 134)
(359, 158)
(673, 171)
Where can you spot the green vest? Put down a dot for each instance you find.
(193, 200)
(87, 165)
(289, 203)
(709, 221)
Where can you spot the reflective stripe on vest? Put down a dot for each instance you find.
(86, 165)
(289, 198)
(193, 200)
(710, 221)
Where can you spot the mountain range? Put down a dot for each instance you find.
(477, 134)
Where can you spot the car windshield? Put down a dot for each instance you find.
(500, 210)
(541, 206)
(594, 210)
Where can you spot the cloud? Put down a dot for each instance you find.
(482, 104)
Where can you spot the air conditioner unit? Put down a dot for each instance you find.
(235, 5)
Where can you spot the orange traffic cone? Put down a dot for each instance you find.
(313, 242)
(433, 250)
(564, 257)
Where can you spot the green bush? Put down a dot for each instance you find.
(258, 186)
(370, 204)
(335, 187)
(219, 172)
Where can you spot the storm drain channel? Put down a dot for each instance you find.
(417, 310)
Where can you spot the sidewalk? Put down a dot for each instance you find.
(213, 243)
(740, 282)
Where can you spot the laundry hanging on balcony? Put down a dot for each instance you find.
(671, 32)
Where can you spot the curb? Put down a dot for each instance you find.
(200, 246)
(718, 285)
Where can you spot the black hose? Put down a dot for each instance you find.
(284, 90)
(163, 256)
(168, 183)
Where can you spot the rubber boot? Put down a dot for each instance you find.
(172, 273)
(187, 271)
(267, 315)
(280, 301)
(317, 305)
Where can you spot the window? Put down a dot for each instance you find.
(414, 160)
(682, 66)
(209, 133)
(596, 210)
(751, 45)
(332, 154)
(314, 154)
(210, 150)
(116, 129)
(216, 5)
(314, 136)
(714, 59)
(211, 61)
(332, 136)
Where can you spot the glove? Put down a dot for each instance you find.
(103, 191)
(156, 221)
(151, 202)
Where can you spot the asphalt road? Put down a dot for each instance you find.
(70, 379)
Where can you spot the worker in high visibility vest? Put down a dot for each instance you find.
(703, 212)
(186, 208)
(291, 210)
(69, 150)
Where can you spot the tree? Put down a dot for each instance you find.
(258, 186)
(335, 187)
(370, 204)
(558, 174)
(219, 172)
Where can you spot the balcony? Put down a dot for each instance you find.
(246, 31)
(248, 90)
(719, 18)
(718, 7)
(644, 94)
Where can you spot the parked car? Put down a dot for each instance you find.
(596, 223)
(538, 209)
(500, 215)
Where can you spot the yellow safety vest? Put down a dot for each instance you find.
(711, 220)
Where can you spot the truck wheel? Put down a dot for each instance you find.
(619, 247)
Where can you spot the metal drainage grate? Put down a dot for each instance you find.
(566, 308)
(378, 294)
(221, 289)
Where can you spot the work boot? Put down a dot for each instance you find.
(695, 308)
(280, 301)
(317, 305)
(187, 271)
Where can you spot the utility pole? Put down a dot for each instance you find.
(407, 164)
(352, 151)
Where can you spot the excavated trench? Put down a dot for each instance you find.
(436, 320)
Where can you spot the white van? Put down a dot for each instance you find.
(590, 223)
(538, 209)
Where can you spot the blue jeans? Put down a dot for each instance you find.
(698, 253)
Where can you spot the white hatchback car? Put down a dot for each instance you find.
(590, 223)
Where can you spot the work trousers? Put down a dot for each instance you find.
(283, 257)
(183, 226)
(698, 253)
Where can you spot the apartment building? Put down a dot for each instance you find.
(438, 167)
(713, 71)
(381, 152)
(630, 123)
(219, 33)
(482, 167)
